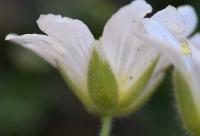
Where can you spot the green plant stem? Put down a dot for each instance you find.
(106, 126)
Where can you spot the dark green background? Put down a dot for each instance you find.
(35, 101)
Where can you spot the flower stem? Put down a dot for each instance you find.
(106, 126)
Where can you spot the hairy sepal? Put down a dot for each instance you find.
(102, 85)
(187, 107)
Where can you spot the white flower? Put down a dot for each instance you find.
(169, 31)
(172, 40)
(117, 61)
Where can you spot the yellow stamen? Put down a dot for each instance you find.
(185, 50)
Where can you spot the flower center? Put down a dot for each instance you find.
(185, 50)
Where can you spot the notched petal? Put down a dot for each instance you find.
(190, 19)
(171, 19)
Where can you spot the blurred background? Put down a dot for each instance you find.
(35, 101)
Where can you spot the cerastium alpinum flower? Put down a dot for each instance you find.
(173, 39)
(112, 76)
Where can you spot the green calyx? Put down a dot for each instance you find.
(102, 85)
(186, 105)
(103, 97)
(104, 91)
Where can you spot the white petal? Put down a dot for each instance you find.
(196, 62)
(171, 19)
(127, 55)
(135, 61)
(190, 19)
(163, 64)
(195, 40)
(156, 32)
(155, 35)
(159, 74)
(70, 33)
(75, 38)
(118, 29)
(54, 53)
(37, 43)
(156, 79)
(193, 76)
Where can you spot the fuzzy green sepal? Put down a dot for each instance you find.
(186, 105)
(102, 85)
